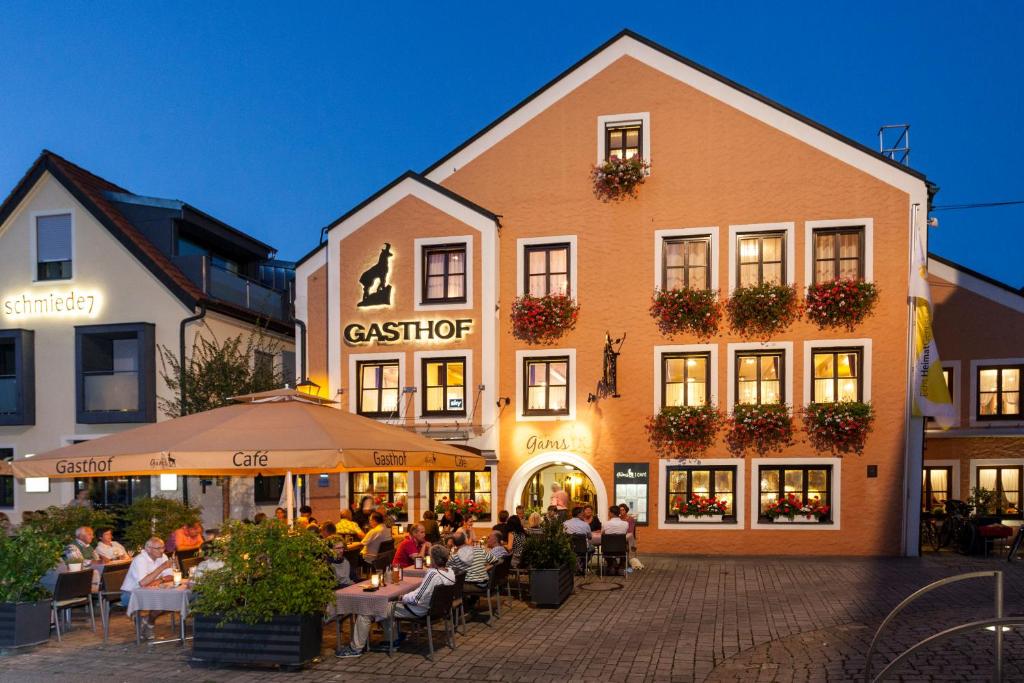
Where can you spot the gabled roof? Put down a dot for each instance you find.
(978, 283)
(92, 192)
(408, 175)
(642, 48)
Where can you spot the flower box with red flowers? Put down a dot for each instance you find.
(760, 428)
(696, 311)
(683, 431)
(763, 310)
(790, 509)
(699, 509)
(393, 508)
(840, 303)
(466, 507)
(838, 427)
(617, 179)
(543, 319)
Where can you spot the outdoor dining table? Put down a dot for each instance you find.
(162, 599)
(353, 600)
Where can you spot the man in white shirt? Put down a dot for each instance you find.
(614, 525)
(147, 567)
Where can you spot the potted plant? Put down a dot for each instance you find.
(700, 509)
(395, 509)
(543, 319)
(616, 179)
(983, 500)
(683, 431)
(840, 303)
(24, 603)
(61, 522)
(156, 516)
(762, 428)
(763, 310)
(273, 587)
(840, 427)
(790, 509)
(686, 309)
(551, 560)
(466, 507)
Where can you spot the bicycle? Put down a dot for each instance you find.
(1015, 546)
(930, 532)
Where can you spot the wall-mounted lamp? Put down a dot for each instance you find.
(308, 386)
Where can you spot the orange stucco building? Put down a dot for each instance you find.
(408, 299)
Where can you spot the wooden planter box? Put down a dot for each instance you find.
(24, 623)
(287, 640)
(550, 587)
(705, 519)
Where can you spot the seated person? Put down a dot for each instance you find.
(109, 549)
(470, 560)
(281, 515)
(575, 525)
(430, 525)
(615, 525)
(451, 520)
(553, 512)
(188, 537)
(347, 527)
(502, 521)
(415, 604)
(496, 552)
(150, 567)
(80, 549)
(533, 524)
(590, 518)
(305, 516)
(259, 518)
(377, 534)
(415, 545)
(467, 528)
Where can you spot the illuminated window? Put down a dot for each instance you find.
(685, 379)
(759, 377)
(761, 259)
(999, 392)
(547, 269)
(686, 262)
(116, 373)
(390, 486)
(807, 483)
(547, 386)
(935, 488)
(444, 387)
(379, 389)
(475, 486)
(623, 140)
(17, 377)
(838, 254)
(444, 273)
(1005, 480)
(837, 375)
(53, 247)
(706, 482)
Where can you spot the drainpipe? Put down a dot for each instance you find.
(183, 405)
(302, 350)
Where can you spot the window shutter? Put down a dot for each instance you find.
(53, 237)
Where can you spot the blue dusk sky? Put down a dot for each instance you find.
(279, 117)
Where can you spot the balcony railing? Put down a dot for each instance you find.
(224, 285)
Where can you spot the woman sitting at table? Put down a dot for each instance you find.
(415, 604)
(467, 529)
(109, 549)
(515, 539)
(533, 524)
(431, 527)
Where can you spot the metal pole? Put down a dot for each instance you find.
(289, 497)
(998, 674)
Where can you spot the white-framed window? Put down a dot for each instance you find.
(53, 246)
(377, 384)
(547, 265)
(685, 373)
(841, 247)
(624, 135)
(441, 378)
(686, 256)
(940, 481)
(730, 472)
(837, 369)
(762, 252)
(995, 392)
(804, 477)
(1005, 476)
(760, 372)
(444, 273)
(545, 385)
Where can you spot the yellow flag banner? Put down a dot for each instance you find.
(931, 395)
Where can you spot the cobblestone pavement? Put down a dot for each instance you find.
(681, 619)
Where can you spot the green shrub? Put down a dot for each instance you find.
(61, 522)
(156, 517)
(268, 571)
(24, 559)
(550, 550)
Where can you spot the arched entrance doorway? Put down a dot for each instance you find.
(530, 486)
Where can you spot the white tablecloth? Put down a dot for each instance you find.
(160, 600)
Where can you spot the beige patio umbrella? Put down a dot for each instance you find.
(270, 433)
